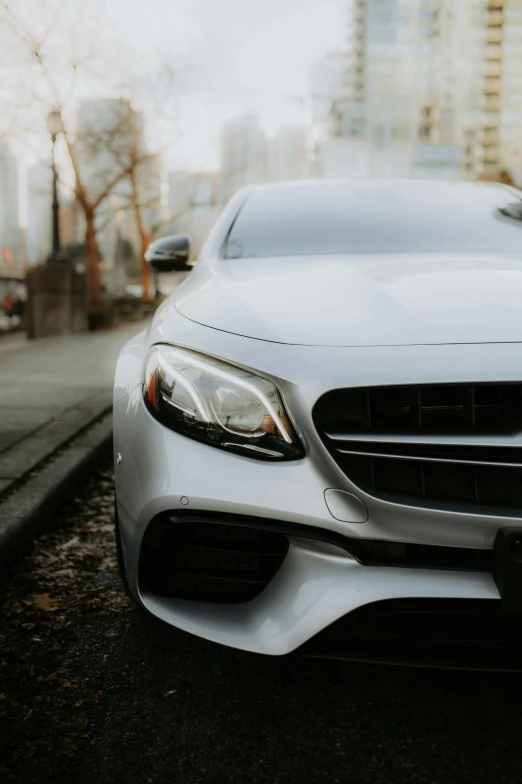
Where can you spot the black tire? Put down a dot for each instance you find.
(119, 554)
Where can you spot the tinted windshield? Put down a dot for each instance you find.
(343, 218)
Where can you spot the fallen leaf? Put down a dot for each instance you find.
(64, 573)
(71, 543)
(43, 601)
(107, 563)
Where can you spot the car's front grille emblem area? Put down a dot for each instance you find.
(456, 443)
(209, 560)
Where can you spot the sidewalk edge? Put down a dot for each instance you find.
(25, 512)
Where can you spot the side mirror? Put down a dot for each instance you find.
(170, 254)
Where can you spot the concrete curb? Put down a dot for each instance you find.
(40, 445)
(25, 510)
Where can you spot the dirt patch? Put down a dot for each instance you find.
(69, 577)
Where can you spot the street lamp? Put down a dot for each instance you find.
(55, 126)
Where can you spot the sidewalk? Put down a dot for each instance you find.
(49, 390)
(52, 391)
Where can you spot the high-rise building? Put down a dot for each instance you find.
(329, 79)
(243, 155)
(447, 104)
(179, 195)
(38, 235)
(500, 135)
(288, 154)
(39, 200)
(192, 192)
(368, 129)
(441, 77)
(382, 72)
(10, 249)
(193, 205)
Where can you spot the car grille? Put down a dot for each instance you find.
(209, 558)
(435, 444)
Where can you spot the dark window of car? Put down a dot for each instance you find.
(340, 218)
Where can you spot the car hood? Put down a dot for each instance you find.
(365, 300)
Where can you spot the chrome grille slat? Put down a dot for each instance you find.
(509, 440)
(429, 459)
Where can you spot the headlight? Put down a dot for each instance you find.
(218, 403)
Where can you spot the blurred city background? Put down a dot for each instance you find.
(149, 115)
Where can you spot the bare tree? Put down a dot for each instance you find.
(128, 148)
(156, 95)
(105, 151)
(144, 233)
(107, 157)
(89, 205)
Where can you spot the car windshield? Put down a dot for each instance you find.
(341, 218)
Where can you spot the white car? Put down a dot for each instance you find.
(319, 439)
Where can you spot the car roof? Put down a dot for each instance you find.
(453, 187)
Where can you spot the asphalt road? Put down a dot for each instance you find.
(93, 690)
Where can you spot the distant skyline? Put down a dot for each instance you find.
(236, 56)
(245, 56)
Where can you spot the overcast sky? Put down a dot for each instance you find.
(243, 56)
(234, 57)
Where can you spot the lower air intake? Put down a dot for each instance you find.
(461, 633)
(209, 558)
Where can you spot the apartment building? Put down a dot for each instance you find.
(10, 247)
(442, 77)
(243, 155)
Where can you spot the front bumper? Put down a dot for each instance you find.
(312, 589)
(318, 582)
